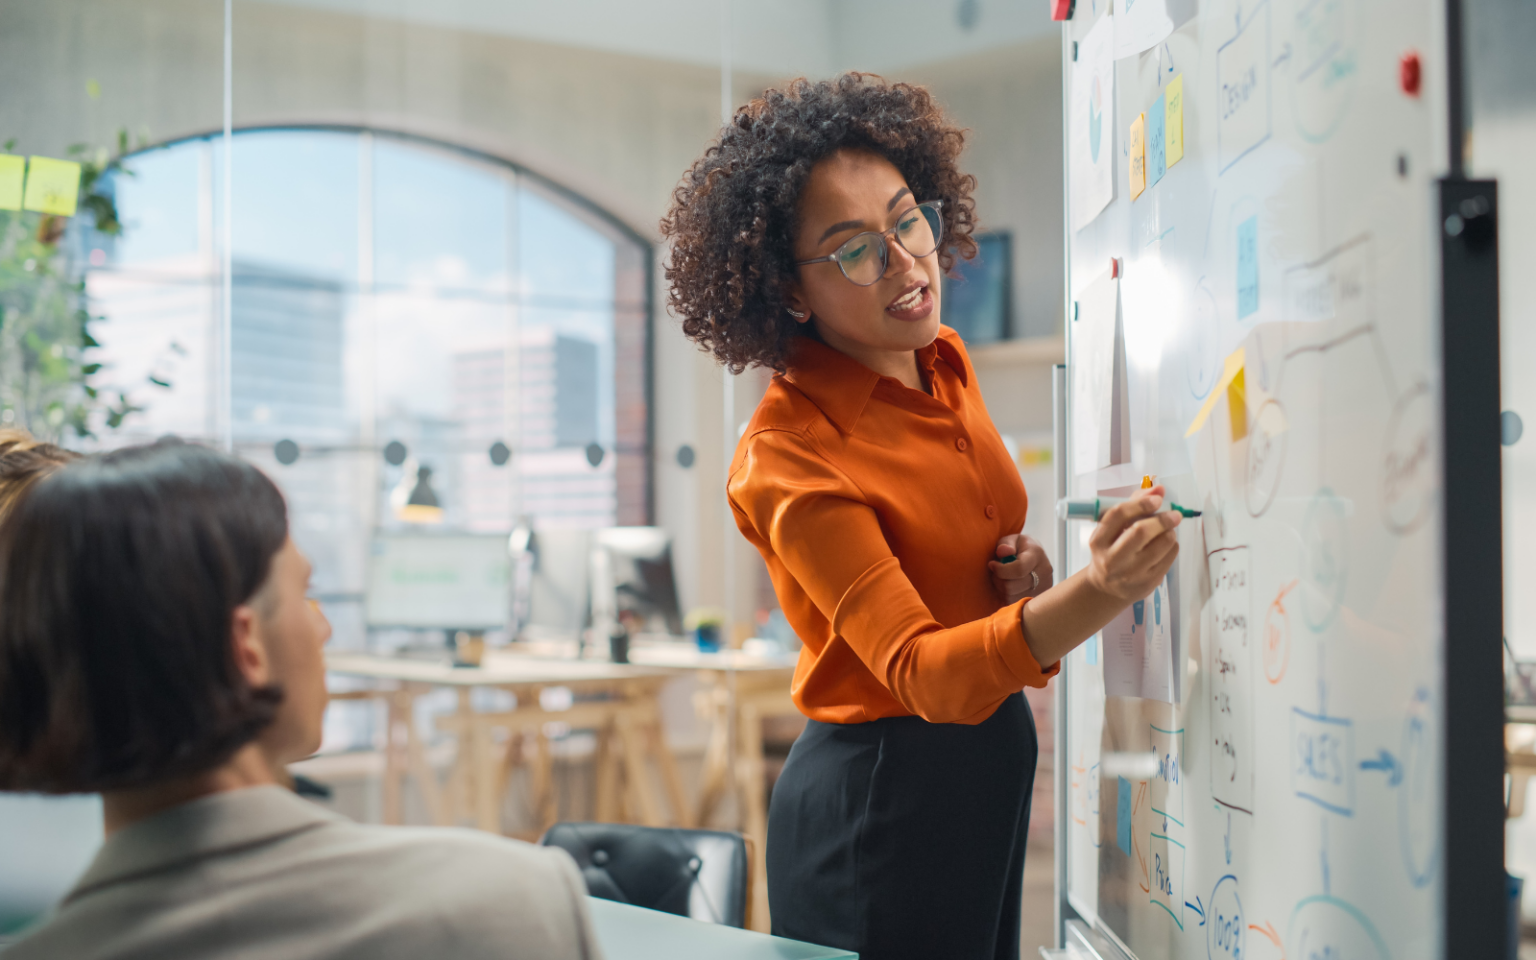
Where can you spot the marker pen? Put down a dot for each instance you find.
(1094, 509)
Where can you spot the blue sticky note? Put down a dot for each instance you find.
(1123, 816)
(1248, 267)
(1157, 155)
(1093, 650)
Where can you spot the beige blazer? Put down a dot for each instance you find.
(260, 873)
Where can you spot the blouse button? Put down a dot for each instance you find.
(960, 444)
(991, 512)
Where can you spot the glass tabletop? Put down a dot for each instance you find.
(634, 933)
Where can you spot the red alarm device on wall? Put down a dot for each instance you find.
(1061, 9)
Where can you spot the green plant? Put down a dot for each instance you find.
(46, 370)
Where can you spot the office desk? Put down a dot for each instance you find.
(627, 722)
(740, 691)
(634, 933)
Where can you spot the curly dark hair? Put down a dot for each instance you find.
(733, 217)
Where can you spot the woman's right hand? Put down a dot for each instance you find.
(1133, 546)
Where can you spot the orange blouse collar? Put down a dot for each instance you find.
(841, 386)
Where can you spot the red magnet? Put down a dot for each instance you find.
(1410, 73)
(1061, 9)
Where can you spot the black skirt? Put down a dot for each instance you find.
(903, 838)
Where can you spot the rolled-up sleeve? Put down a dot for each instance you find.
(829, 538)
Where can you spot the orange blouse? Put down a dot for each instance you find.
(877, 507)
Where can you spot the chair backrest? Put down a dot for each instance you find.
(700, 874)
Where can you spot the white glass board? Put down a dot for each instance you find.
(439, 581)
(1272, 293)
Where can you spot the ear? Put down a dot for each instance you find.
(249, 646)
(796, 302)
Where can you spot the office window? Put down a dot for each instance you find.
(387, 293)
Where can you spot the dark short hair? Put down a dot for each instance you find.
(733, 218)
(119, 577)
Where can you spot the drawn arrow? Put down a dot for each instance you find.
(1268, 930)
(1196, 906)
(1285, 54)
(1387, 763)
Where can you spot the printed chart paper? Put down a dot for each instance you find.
(1091, 128)
(1143, 24)
(1141, 651)
(1101, 416)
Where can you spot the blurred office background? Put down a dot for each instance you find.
(404, 256)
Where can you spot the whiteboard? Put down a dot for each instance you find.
(1275, 291)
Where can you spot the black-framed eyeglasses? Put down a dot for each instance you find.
(863, 257)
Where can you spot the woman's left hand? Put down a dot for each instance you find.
(1012, 580)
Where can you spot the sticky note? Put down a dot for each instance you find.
(1092, 648)
(13, 173)
(1248, 267)
(1138, 142)
(1232, 370)
(53, 186)
(1237, 406)
(1156, 123)
(1123, 816)
(1173, 100)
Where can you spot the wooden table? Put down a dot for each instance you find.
(1519, 756)
(617, 701)
(740, 692)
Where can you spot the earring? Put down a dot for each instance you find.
(797, 314)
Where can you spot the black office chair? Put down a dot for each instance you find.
(702, 874)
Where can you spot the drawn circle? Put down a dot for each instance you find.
(394, 453)
(594, 452)
(1202, 364)
(500, 453)
(1418, 814)
(286, 452)
(1226, 925)
(1326, 926)
(1408, 474)
(1277, 640)
(1324, 559)
(685, 456)
(1324, 68)
(1266, 456)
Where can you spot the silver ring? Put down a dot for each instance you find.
(1034, 581)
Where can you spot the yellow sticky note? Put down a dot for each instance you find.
(13, 173)
(1237, 406)
(53, 186)
(1232, 371)
(1173, 101)
(1138, 143)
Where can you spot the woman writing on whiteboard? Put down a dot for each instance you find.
(810, 240)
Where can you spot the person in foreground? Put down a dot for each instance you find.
(810, 240)
(157, 647)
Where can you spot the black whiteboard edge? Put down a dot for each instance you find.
(1474, 886)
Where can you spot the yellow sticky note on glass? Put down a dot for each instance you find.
(1138, 155)
(1237, 406)
(1173, 101)
(1232, 372)
(13, 173)
(53, 186)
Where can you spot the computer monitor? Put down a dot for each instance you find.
(632, 571)
(438, 581)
